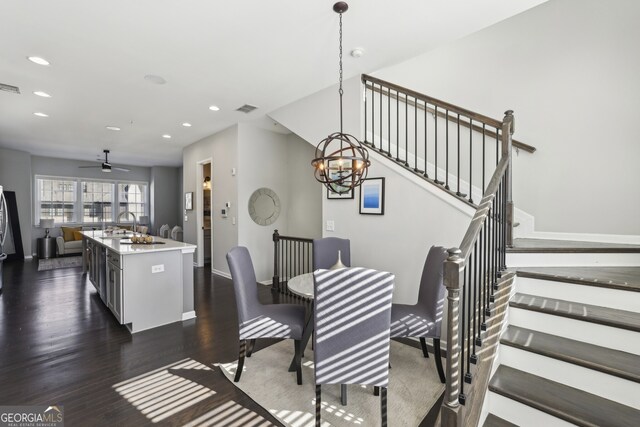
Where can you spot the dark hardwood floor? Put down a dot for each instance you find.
(59, 344)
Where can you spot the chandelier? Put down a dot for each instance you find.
(341, 161)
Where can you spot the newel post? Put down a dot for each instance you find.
(275, 283)
(507, 134)
(452, 412)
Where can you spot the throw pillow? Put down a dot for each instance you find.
(67, 233)
(77, 235)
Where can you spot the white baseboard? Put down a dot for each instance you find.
(221, 273)
(29, 257)
(188, 315)
(526, 229)
(266, 282)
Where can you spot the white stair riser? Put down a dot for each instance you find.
(589, 380)
(572, 260)
(603, 297)
(521, 414)
(605, 336)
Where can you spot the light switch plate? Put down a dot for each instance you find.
(331, 226)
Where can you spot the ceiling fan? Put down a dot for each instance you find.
(106, 166)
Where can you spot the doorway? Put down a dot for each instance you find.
(204, 197)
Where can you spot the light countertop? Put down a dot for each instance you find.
(112, 242)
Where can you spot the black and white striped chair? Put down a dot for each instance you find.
(352, 320)
(424, 319)
(257, 320)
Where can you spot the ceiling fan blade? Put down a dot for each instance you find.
(121, 169)
(86, 167)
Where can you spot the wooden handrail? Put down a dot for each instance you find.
(365, 78)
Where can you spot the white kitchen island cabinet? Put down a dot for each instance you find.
(144, 286)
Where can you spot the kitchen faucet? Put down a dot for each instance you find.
(127, 213)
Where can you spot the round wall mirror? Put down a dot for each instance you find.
(264, 206)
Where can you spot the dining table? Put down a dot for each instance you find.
(302, 286)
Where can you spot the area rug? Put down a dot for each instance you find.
(64, 262)
(414, 387)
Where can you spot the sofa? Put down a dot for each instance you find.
(69, 242)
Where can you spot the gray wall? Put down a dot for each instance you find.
(15, 175)
(165, 191)
(569, 69)
(222, 148)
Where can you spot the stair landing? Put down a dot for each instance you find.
(569, 246)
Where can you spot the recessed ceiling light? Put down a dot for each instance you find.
(187, 125)
(112, 127)
(39, 114)
(152, 78)
(214, 108)
(38, 60)
(42, 94)
(166, 136)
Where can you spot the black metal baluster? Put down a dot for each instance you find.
(381, 144)
(373, 115)
(415, 135)
(504, 222)
(470, 160)
(389, 122)
(485, 280)
(365, 111)
(446, 122)
(500, 213)
(467, 375)
(477, 272)
(473, 271)
(484, 159)
(497, 148)
(494, 251)
(463, 327)
(397, 126)
(426, 175)
(458, 193)
(406, 130)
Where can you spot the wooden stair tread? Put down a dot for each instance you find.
(623, 278)
(561, 401)
(493, 421)
(569, 246)
(612, 362)
(589, 313)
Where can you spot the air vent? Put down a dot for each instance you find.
(247, 108)
(14, 89)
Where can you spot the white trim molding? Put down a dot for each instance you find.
(188, 315)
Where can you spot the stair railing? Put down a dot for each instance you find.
(471, 274)
(449, 146)
(292, 256)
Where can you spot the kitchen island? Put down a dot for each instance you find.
(144, 285)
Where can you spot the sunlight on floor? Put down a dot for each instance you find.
(229, 414)
(159, 394)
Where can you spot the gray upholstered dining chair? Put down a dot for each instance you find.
(424, 319)
(353, 319)
(325, 252)
(257, 320)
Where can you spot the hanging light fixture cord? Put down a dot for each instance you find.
(340, 91)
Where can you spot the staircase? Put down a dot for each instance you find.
(570, 349)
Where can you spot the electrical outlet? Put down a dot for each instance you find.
(331, 226)
(186, 218)
(157, 268)
(233, 220)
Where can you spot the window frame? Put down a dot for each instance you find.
(78, 208)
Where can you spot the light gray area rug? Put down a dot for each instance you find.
(414, 387)
(64, 262)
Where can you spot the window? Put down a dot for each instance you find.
(83, 201)
(56, 198)
(132, 197)
(97, 201)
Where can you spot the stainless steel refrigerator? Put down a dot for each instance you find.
(4, 228)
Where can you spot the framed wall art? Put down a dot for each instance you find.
(372, 196)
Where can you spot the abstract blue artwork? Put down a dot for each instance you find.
(372, 196)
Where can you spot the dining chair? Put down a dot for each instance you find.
(257, 320)
(424, 319)
(325, 252)
(352, 321)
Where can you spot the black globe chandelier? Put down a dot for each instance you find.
(341, 162)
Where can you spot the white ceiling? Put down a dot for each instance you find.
(265, 53)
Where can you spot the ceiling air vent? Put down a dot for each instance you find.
(9, 88)
(247, 108)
